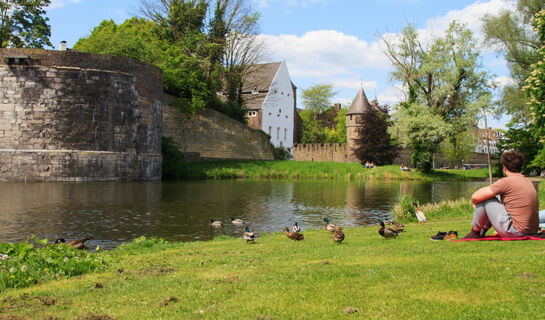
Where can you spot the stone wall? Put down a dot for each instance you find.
(72, 116)
(338, 153)
(211, 135)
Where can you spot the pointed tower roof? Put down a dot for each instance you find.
(360, 103)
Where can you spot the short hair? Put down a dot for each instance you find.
(512, 160)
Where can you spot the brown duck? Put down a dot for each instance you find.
(338, 235)
(296, 236)
(77, 243)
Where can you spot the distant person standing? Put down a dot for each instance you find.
(516, 215)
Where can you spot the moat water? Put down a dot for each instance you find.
(116, 212)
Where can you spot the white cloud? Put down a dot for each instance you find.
(501, 82)
(60, 3)
(325, 53)
(391, 96)
(470, 15)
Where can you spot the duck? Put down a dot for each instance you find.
(296, 236)
(296, 228)
(77, 243)
(386, 232)
(398, 226)
(248, 236)
(338, 235)
(216, 223)
(236, 221)
(329, 226)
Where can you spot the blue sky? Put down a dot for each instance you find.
(322, 41)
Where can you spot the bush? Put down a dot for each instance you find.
(229, 109)
(404, 211)
(23, 264)
(280, 153)
(174, 164)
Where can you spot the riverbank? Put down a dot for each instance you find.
(318, 170)
(410, 277)
(368, 277)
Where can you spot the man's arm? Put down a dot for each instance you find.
(481, 195)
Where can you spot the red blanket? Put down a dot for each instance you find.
(498, 237)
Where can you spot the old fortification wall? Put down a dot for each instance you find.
(338, 153)
(211, 135)
(71, 116)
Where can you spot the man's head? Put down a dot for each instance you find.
(512, 160)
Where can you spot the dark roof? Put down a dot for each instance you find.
(257, 83)
(360, 103)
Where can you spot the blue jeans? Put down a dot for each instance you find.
(492, 213)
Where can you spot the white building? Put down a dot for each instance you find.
(270, 97)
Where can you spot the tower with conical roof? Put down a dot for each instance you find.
(354, 118)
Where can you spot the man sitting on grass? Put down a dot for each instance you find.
(516, 214)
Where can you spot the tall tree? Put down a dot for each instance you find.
(23, 24)
(373, 142)
(444, 75)
(317, 98)
(511, 34)
(465, 143)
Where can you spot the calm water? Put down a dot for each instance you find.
(115, 212)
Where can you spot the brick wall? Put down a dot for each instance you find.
(68, 116)
(339, 153)
(211, 135)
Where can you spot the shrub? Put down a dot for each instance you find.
(404, 211)
(280, 153)
(174, 164)
(23, 264)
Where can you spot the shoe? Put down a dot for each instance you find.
(451, 235)
(439, 236)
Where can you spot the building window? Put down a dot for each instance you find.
(279, 110)
(277, 133)
(350, 117)
(270, 130)
(285, 133)
(252, 113)
(286, 117)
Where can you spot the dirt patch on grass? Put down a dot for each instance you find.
(95, 317)
(153, 271)
(167, 301)
(527, 275)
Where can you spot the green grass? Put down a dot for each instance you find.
(318, 170)
(409, 277)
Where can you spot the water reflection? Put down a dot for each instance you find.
(120, 211)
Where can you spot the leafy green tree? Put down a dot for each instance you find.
(444, 76)
(535, 88)
(23, 24)
(511, 34)
(338, 133)
(520, 138)
(374, 142)
(317, 99)
(313, 132)
(464, 145)
(421, 130)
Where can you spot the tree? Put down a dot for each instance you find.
(313, 132)
(338, 133)
(511, 33)
(374, 143)
(23, 24)
(535, 89)
(444, 76)
(465, 143)
(421, 130)
(317, 98)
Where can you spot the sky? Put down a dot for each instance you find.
(322, 41)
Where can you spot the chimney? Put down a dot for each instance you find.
(337, 107)
(62, 46)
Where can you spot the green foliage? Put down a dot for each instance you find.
(317, 98)
(313, 132)
(374, 142)
(511, 34)
(229, 109)
(23, 24)
(23, 264)
(174, 165)
(421, 130)
(520, 138)
(459, 147)
(338, 133)
(280, 153)
(405, 210)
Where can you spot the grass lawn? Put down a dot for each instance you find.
(318, 170)
(366, 277)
